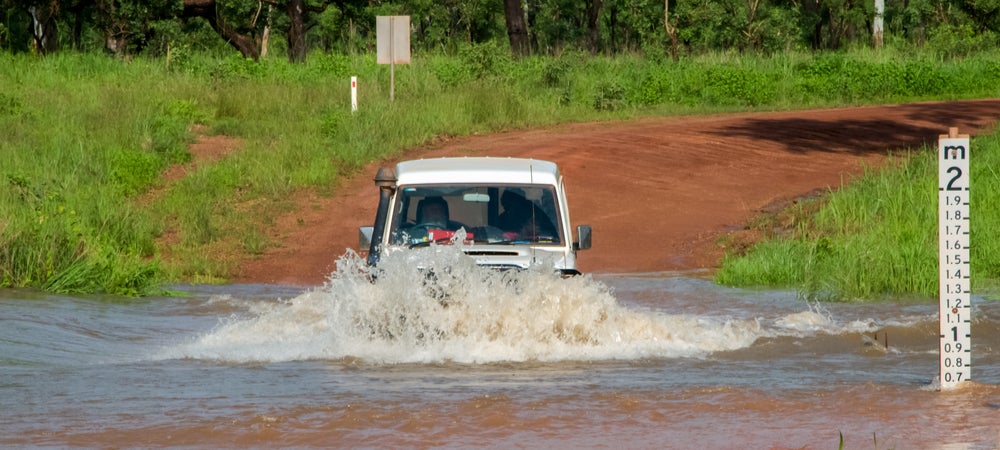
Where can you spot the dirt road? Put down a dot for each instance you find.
(658, 192)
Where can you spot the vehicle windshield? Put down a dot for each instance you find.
(493, 214)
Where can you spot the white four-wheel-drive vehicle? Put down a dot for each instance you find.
(513, 212)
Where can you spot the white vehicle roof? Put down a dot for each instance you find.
(477, 170)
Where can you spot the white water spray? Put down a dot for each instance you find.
(450, 309)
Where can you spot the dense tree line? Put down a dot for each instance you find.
(672, 27)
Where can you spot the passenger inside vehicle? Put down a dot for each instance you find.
(523, 219)
(516, 209)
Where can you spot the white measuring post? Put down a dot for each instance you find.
(354, 94)
(955, 313)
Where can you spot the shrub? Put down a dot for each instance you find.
(953, 41)
(554, 72)
(609, 95)
(734, 85)
(450, 72)
(133, 171)
(486, 60)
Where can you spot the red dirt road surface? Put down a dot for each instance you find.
(658, 192)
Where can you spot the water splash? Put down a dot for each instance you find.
(435, 304)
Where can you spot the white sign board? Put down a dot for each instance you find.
(393, 36)
(953, 252)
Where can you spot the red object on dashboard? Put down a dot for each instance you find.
(437, 235)
(440, 234)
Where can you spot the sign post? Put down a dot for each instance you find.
(955, 307)
(393, 39)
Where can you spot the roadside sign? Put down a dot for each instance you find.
(393, 35)
(393, 45)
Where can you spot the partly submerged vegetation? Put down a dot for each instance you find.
(84, 206)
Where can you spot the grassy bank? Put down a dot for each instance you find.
(877, 236)
(84, 139)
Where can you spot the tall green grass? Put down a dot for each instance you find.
(84, 139)
(878, 236)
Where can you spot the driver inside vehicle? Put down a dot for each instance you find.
(432, 213)
(433, 222)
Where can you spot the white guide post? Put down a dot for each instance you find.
(354, 94)
(955, 313)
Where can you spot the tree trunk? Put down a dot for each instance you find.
(296, 31)
(517, 31)
(671, 30)
(44, 31)
(613, 28)
(78, 10)
(811, 10)
(265, 38)
(877, 32)
(298, 11)
(593, 30)
(749, 32)
(532, 13)
(206, 9)
(115, 32)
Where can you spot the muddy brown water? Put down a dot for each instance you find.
(530, 360)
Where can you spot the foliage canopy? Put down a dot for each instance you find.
(155, 27)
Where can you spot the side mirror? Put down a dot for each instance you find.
(583, 232)
(365, 238)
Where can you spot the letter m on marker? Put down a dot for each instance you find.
(954, 151)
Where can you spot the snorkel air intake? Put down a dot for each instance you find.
(385, 179)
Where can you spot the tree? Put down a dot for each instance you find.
(44, 32)
(593, 26)
(671, 30)
(751, 31)
(248, 45)
(240, 25)
(517, 30)
(984, 13)
(298, 13)
(829, 23)
(563, 23)
(300, 18)
(127, 25)
(634, 25)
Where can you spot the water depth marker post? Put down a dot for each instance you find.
(955, 313)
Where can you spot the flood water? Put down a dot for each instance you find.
(474, 358)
